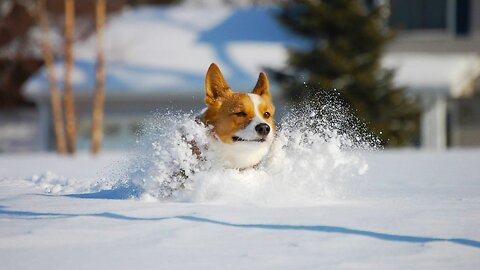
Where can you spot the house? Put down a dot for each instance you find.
(437, 56)
(157, 59)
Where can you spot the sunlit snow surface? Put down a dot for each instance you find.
(325, 198)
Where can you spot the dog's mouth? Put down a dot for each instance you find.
(238, 139)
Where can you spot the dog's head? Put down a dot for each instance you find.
(242, 123)
(239, 118)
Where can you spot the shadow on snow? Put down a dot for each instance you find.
(314, 228)
(118, 193)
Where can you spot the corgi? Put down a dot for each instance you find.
(242, 126)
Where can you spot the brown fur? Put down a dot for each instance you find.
(228, 111)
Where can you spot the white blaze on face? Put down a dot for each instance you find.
(249, 132)
(245, 154)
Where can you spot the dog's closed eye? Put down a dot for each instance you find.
(240, 114)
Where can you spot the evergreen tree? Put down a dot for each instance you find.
(347, 41)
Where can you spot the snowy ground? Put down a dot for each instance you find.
(411, 210)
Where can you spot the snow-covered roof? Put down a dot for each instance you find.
(168, 50)
(448, 74)
(158, 50)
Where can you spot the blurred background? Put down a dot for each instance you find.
(73, 70)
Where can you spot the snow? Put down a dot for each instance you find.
(310, 160)
(449, 74)
(250, 56)
(406, 213)
(167, 50)
(322, 200)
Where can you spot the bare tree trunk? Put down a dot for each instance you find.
(71, 125)
(99, 96)
(55, 100)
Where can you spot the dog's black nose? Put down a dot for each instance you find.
(262, 129)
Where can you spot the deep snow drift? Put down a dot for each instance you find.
(314, 158)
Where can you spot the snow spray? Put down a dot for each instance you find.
(315, 156)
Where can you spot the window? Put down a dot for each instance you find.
(418, 14)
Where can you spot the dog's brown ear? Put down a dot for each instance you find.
(262, 86)
(215, 86)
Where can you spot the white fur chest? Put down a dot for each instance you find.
(240, 154)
